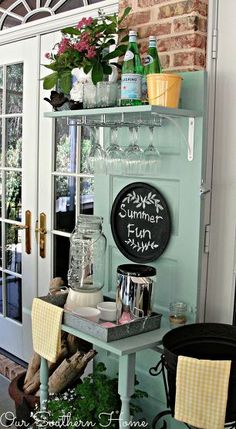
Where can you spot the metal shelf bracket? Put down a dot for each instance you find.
(156, 119)
(191, 124)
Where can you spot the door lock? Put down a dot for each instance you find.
(27, 228)
(42, 234)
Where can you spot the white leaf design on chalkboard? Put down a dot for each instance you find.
(141, 246)
(140, 201)
(158, 206)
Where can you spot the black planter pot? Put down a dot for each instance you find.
(24, 403)
(213, 341)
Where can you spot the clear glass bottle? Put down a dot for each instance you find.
(132, 70)
(87, 255)
(178, 314)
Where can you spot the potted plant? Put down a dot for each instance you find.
(87, 47)
(94, 403)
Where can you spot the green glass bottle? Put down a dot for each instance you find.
(152, 63)
(132, 70)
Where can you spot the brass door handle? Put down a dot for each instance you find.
(40, 230)
(42, 234)
(21, 226)
(27, 228)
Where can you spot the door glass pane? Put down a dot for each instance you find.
(13, 142)
(13, 195)
(13, 248)
(93, 1)
(9, 22)
(14, 298)
(14, 102)
(20, 10)
(86, 195)
(85, 150)
(32, 3)
(66, 141)
(64, 203)
(0, 142)
(61, 257)
(69, 5)
(1, 88)
(1, 281)
(0, 194)
(1, 244)
(39, 15)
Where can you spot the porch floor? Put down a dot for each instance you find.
(6, 403)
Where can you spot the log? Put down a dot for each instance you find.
(33, 384)
(74, 344)
(33, 367)
(69, 370)
(56, 285)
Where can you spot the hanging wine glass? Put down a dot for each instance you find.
(114, 152)
(133, 153)
(97, 155)
(151, 153)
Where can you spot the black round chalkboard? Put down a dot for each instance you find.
(140, 222)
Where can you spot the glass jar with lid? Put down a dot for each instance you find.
(177, 314)
(87, 255)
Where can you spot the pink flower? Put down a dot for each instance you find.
(63, 45)
(84, 21)
(81, 46)
(89, 21)
(47, 55)
(91, 52)
(85, 37)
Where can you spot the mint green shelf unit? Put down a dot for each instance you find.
(180, 182)
(179, 178)
(153, 110)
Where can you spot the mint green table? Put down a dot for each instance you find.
(126, 350)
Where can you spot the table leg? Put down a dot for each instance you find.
(126, 387)
(43, 384)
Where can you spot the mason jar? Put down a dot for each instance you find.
(87, 255)
(177, 314)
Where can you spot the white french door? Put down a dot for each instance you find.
(42, 172)
(18, 170)
(65, 189)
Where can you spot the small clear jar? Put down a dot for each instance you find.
(177, 314)
(87, 255)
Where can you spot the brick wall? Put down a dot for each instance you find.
(180, 27)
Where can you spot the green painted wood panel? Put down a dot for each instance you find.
(179, 181)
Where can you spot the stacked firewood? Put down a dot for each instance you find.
(67, 370)
(71, 361)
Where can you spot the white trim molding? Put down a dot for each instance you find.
(55, 22)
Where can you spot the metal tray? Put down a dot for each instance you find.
(137, 326)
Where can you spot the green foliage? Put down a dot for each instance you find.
(97, 72)
(85, 46)
(65, 81)
(96, 400)
(125, 13)
(51, 80)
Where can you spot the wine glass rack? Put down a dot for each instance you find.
(141, 116)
